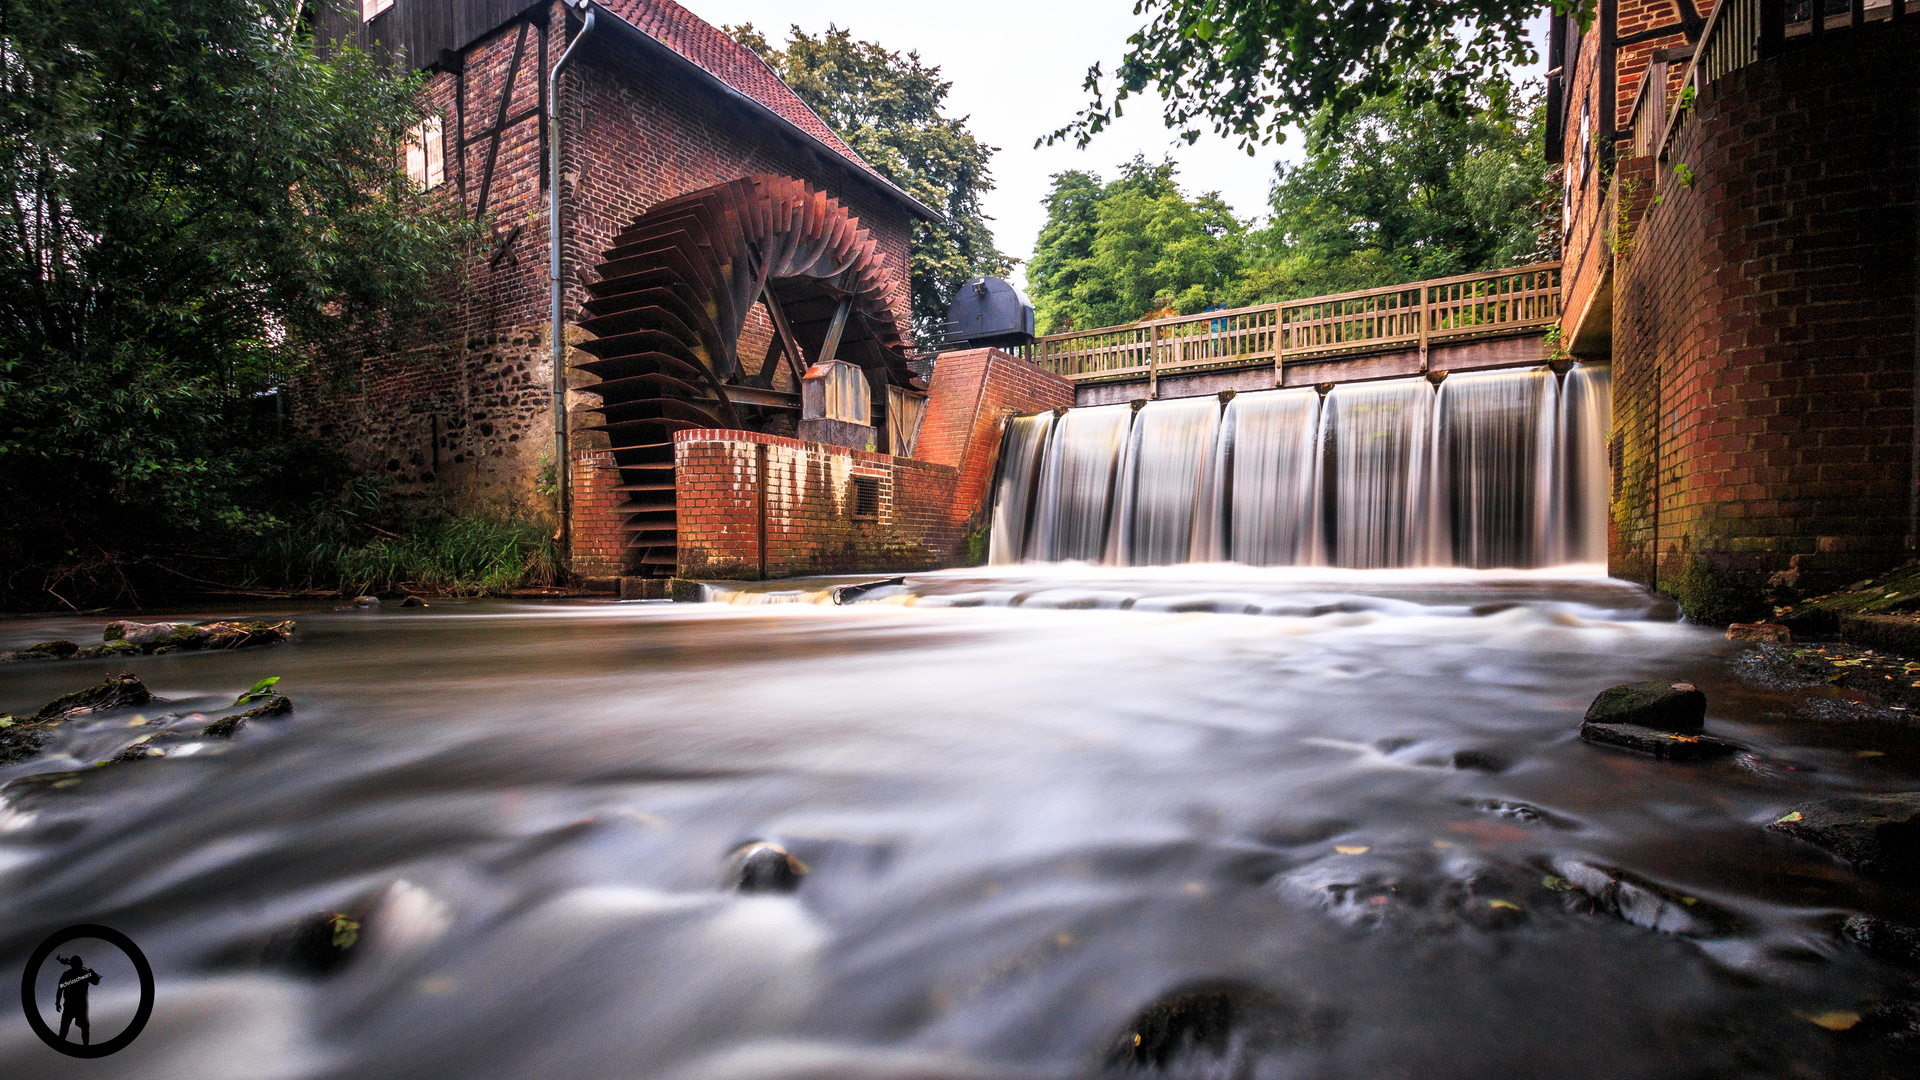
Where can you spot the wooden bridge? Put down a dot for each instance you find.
(1495, 319)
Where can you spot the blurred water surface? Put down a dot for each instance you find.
(1033, 802)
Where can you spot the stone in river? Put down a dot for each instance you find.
(1669, 706)
(117, 692)
(1878, 834)
(1667, 745)
(1884, 939)
(225, 726)
(765, 867)
(1759, 631)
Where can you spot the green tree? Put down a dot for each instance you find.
(887, 107)
(1114, 252)
(194, 207)
(1248, 68)
(1403, 189)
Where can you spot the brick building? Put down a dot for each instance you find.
(1741, 244)
(670, 135)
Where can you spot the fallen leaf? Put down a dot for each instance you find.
(1352, 850)
(1869, 753)
(261, 689)
(1795, 816)
(1836, 1020)
(1557, 884)
(1508, 904)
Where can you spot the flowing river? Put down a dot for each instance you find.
(1206, 821)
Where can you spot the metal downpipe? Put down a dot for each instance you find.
(562, 465)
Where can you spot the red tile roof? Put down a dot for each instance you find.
(711, 49)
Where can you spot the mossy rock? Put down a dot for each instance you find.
(1667, 706)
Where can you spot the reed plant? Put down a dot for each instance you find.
(447, 555)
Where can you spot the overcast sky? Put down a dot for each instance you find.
(1016, 68)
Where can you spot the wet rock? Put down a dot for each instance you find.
(1215, 1024)
(45, 650)
(1479, 761)
(1666, 745)
(1761, 631)
(140, 750)
(1668, 706)
(1610, 891)
(117, 692)
(1889, 941)
(224, 727)
(365, 602)
(1878, 834)
(847, 594)
(107, 648)
(22, 738)
(178, 636)
(764, 867)
(318, 945)
(1414, 892)
(1519, 811)
(413, 601)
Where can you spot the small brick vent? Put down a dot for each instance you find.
(866, 498)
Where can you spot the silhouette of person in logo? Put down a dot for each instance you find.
(70, 997)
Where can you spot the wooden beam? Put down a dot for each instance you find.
(500, 123)
(796, 358)
(831, 345)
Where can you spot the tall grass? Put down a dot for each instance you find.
(454, 555)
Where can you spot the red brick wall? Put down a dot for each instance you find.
(810, 527)
(1764, 329)
(1587, 255)
(599, 544)
(470, 417)
(968, 402)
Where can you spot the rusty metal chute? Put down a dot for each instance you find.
(675, 291)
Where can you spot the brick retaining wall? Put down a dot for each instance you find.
(1764, 323)
(808, 525)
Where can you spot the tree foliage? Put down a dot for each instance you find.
(194, 207)
(887, 107)
(1398, 189)
(1404, 189)
(1248, 68)
(1115, 251)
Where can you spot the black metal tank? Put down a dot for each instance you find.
(988, 311)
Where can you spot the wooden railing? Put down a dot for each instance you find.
(1742, 32)
(1498, 303)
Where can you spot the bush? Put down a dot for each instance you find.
(450, 555)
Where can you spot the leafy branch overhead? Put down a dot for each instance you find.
(1246, 69)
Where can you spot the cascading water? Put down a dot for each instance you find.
(1586, 411)
(1079, 463)
(1019, 475)
(1166, 479)
(1380, 451)
(1496, 440)
(1491, 469)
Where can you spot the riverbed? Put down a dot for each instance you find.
(1342, 817)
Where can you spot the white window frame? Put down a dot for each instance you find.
(370, 8)
(427, 153)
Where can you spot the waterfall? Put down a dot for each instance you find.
(1167, 476)
(1586, 414)
(1270, 502)
(1490, 469)
(1020, 461)
(1080, 461)
(1380, 451)
(1496, 442)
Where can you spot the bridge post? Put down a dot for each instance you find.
(1153, 361)
(1279, 346)
(1420, 312)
